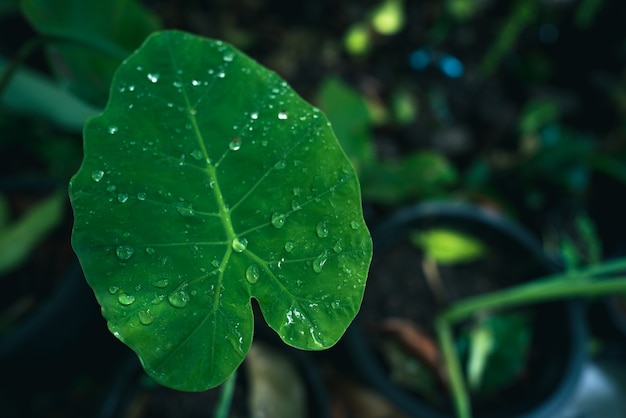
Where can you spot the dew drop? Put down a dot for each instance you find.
(252, 273)
(281, 164)
(161, 283)
(239, 244)
(113, 129)
(228, 57)
(141, 196)
(122, 197)
(322, 229)
(221, 74)
(215, 263)
(111, 188)
(124, 252)
(97, 175)
(338, 247)
(153, 77)
(235, 144)
(185, 211)
(354, 225)
(113, 289)
(196, 154)
(193, 111)
(335, 304)
(178, 299)
(254, 116)
(289, 246)
(282, 115)
(125, 299)
(278, 220)
(177, 84)
(195, 83)
(145, 317)
(318, 263)
(295, 205)
(150, 251)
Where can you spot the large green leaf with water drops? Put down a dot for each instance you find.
(207, 182)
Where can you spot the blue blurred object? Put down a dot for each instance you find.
(448, 64)
(548, 33)
(451, 66)
(419, 59)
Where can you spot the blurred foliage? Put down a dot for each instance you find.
(446, 246)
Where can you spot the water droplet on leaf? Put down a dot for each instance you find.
(113, 130)
(289, 246)
(97, 175)
(196, 154)
(354, 225)
(239, 244)
(185, 210)
(252, 273)
(150, 251)
(322, 229)
(141, 196)
(318, 263)
(178, 299)
(338, 247)
(153, 77)
(122, 197)
(281, 164)
(278, 220)
(145, 317)
(282, 115)
(161, 283)
(113, 289)
(124, 252)
(235, 144)
(125, 299)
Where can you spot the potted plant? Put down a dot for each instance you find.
(459, 342)
(208, 182)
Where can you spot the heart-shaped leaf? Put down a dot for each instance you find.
(207, 182)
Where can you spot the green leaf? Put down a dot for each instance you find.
(350, 119)
(207, 182)
(17, 240)
(420, 175)
(90, 39)
(446, 246)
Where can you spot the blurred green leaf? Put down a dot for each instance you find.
(445, 246)
(498, 348)
(17, 240)
(536, 114)
(8, 7)
(350, 119)
(420, 175)
(90, 39)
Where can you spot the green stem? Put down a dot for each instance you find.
(226, 397)
(24, 52)
(537, 291)
(453, 364)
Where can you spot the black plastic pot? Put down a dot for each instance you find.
(559, 334)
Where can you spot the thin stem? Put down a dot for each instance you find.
(538, 291)
(226, 397)
(460, 396)
(24, 52)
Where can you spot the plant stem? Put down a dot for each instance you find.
(453, 365)
(541, 290)
(226, 397)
